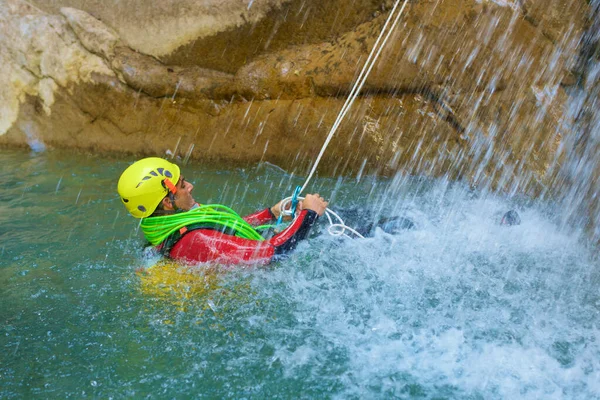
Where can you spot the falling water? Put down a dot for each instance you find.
(580, 174)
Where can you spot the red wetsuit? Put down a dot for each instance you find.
(206, 245)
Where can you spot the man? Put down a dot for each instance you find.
(154, 190)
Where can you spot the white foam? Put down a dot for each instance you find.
(461, 305)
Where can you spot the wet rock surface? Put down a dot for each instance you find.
(475, 90)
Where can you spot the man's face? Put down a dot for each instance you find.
(183, 198)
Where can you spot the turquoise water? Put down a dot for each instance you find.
(458, 308)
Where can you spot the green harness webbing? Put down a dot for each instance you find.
(157, 229)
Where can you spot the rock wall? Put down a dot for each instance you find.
(472, 89)
(161, 27)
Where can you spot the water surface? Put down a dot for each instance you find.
(458, 308)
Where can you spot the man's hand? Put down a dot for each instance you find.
(276, 210)
(313, 202)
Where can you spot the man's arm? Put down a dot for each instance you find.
(260, 217)
(207, 245)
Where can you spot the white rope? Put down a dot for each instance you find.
(339, 228)
(357, 87)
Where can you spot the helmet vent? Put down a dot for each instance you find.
(125, 200)
(142, 208)
(162, 171)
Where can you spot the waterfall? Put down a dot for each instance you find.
(579, 174)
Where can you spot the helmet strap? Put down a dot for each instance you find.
(172, 198)
(172, 190)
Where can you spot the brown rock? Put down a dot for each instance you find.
(463, 88)
(150, 76)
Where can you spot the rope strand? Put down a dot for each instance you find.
(339, 228)
(157, 229)
(357, 87)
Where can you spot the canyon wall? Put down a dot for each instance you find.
(472, 89)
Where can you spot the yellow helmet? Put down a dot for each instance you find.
(145, 183)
